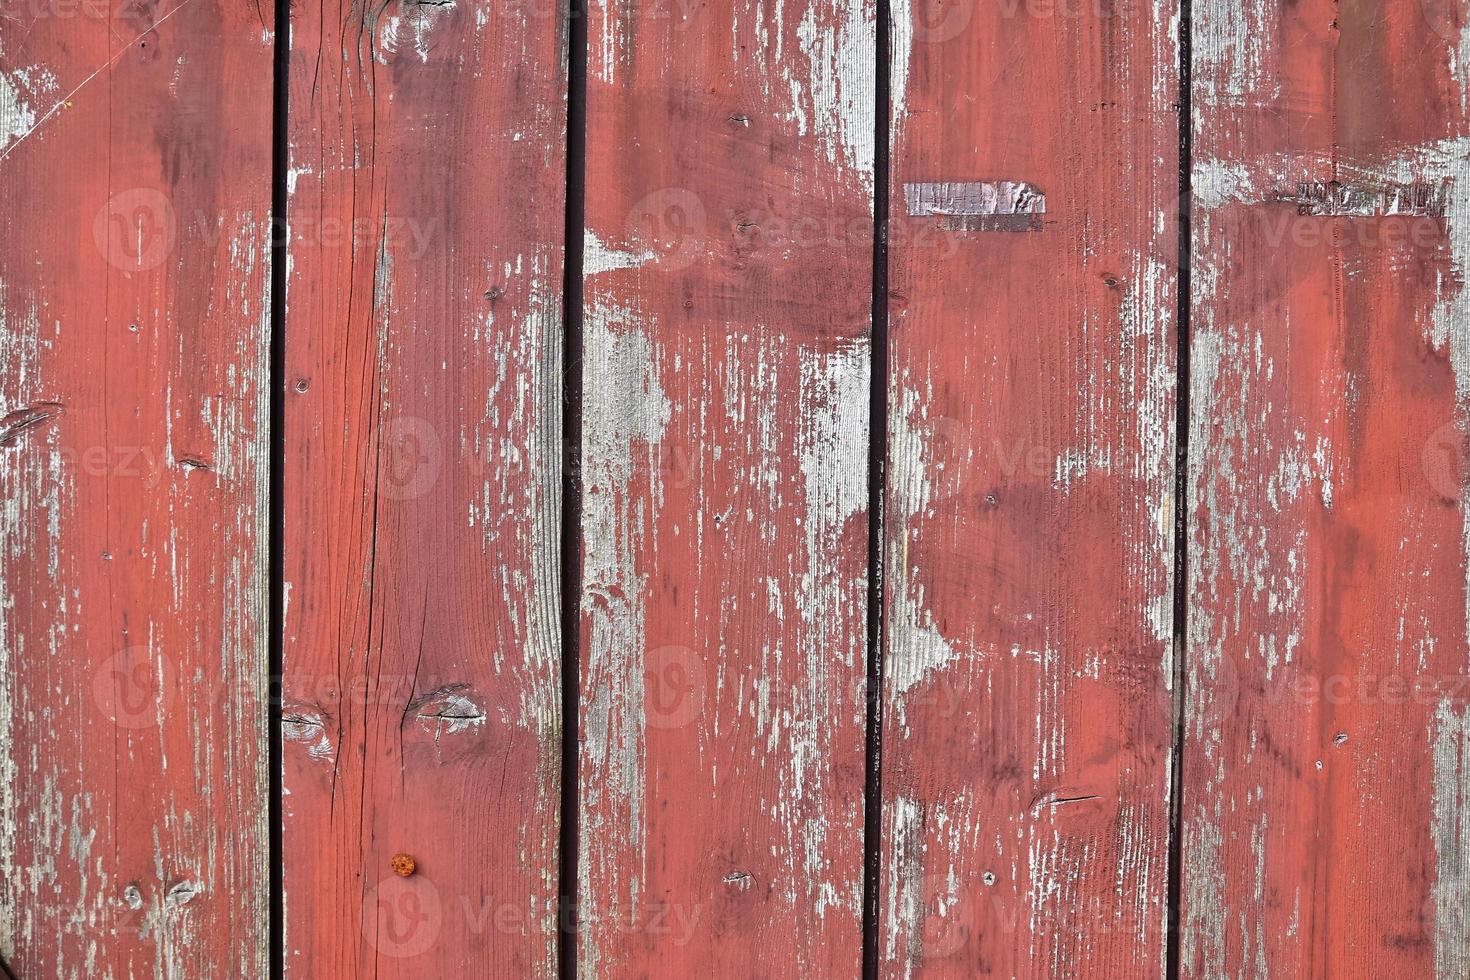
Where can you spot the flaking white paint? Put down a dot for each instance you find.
(839, 46)
(1450, 829)
(16, 117)
(916, 647)
(625, 412)
(599, 257)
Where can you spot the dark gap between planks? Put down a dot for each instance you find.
(571, 490)
(877, 483)
(1181, 486)
(275, 562)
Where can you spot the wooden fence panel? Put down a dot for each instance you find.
(1028, 520)
(422, 488)
(728, 262)
(1029, 527)
(134, 339)
(1326, 829)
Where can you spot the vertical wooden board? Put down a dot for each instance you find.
(135, 164)
(725, 404)
(1028, 520)
(1325, 817)
(422, 487)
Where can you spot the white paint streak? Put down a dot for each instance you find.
(903, 917)
(36, 490)
(1449, 160)
(901, 40)
(610, 53)
(833, 445)
(834, 99)
(916, 646)
(1235, 49)
(625, 414)
(516, 507)
(20, 90)
(599, 257)
(16, 117)
(1450, 826)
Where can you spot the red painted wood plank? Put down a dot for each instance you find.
(423, 468)
(1027, 722)
(725, 400)
(134, 329)
(1325, 820)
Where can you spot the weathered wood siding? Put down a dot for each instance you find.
(728, 306)
(1326, 829)
(1029, 518)
(134, 340)
(1095, 761)
(422, 710)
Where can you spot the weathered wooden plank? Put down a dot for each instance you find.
(422, 481)
(1028, 519)
(134, 330)
(725, 399)
(1325, 822)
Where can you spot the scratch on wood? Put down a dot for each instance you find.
(22, 420)
(1055, 798)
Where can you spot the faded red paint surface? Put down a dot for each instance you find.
(1027, 724)
(1029, 521)
(422, 483)
(1325, 737)
(134, 330)
(728, 304)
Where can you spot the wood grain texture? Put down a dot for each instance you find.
(1326, 830)
(1028, 520)
(423, 467)
(725, 398)
(134, 331)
